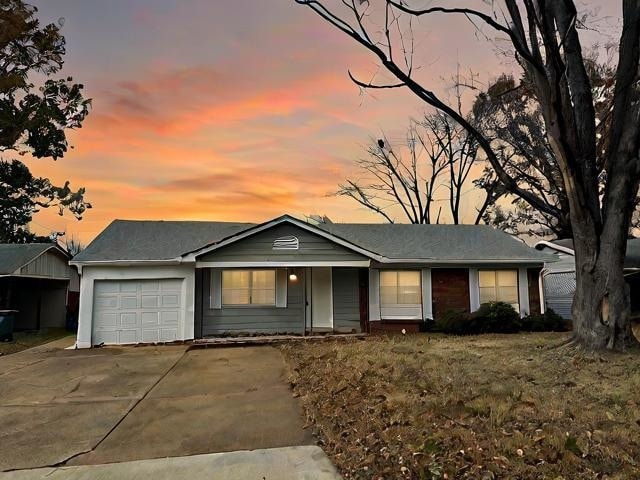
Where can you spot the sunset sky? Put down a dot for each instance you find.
(228, 110)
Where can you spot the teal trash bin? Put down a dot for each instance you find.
(7, 320)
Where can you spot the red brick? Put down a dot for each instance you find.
(450, 290)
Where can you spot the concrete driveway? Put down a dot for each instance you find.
(85, 407)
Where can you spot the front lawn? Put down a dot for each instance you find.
(23, 340)
(489, 406)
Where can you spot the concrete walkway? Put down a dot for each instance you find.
(111, 405)
(288, 463)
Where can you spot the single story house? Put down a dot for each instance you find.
(560, 276)
(37, 281)
(160, 281)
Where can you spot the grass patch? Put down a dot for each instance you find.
(485, 407)
(23, 340)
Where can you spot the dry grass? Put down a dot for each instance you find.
(512, 406)
(23, 340)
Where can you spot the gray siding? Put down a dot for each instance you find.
(258, 247)
(558, 291)
(560, 283)
(49, 264)
(346, 300)
(268, 320)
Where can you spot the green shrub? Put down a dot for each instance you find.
(496, 317)
(455, 323)
(549, 321)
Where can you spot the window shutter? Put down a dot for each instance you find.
(281, 288)
(523, 292)
(374, 294)
(474, 290)
(215, 289)
(427, 308)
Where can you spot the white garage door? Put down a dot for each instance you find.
(136, 311)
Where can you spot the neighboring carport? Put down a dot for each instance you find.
(35, 281)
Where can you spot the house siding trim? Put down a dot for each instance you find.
(228, 264)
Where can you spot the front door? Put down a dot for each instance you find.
(319, 299)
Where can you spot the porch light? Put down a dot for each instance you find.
(292, 276)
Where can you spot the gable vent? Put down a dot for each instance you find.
(286, 243)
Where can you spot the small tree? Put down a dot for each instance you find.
(33, 120)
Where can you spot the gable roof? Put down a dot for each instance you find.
(436, 243)
(15, 256)
(254, 229)
(149, 241)
(565, 245)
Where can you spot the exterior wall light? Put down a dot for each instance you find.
(293, 277)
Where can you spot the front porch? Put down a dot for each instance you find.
(290, 299)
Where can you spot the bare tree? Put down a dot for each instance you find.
(543, 37)
(432, 166)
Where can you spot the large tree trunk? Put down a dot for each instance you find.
(601, 305)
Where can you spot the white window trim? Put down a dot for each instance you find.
(250, 304)
(402, 311)
(521, 287)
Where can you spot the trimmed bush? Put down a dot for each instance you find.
(455, 323)
(496, 317)
(549, 321)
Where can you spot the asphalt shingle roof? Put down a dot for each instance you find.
(13, 256)
(163, 240)
(436, 242)
(155, 240)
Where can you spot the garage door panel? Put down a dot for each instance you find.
(150, 336)
(168, 334)
(105, 287)
(171, 285)
(134, 311)
(170, 300)
(128, 319)
(104, 302)
(150, 301)
(169, 317)
(150, 285)
(128, 301)
(105, 337)
(150, 319)
(108, 319)
(128, 287)
(128, 336)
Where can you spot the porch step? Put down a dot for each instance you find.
(268, 339)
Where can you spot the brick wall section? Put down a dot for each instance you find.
(394, 326)
(533, 275)
(450, 290)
